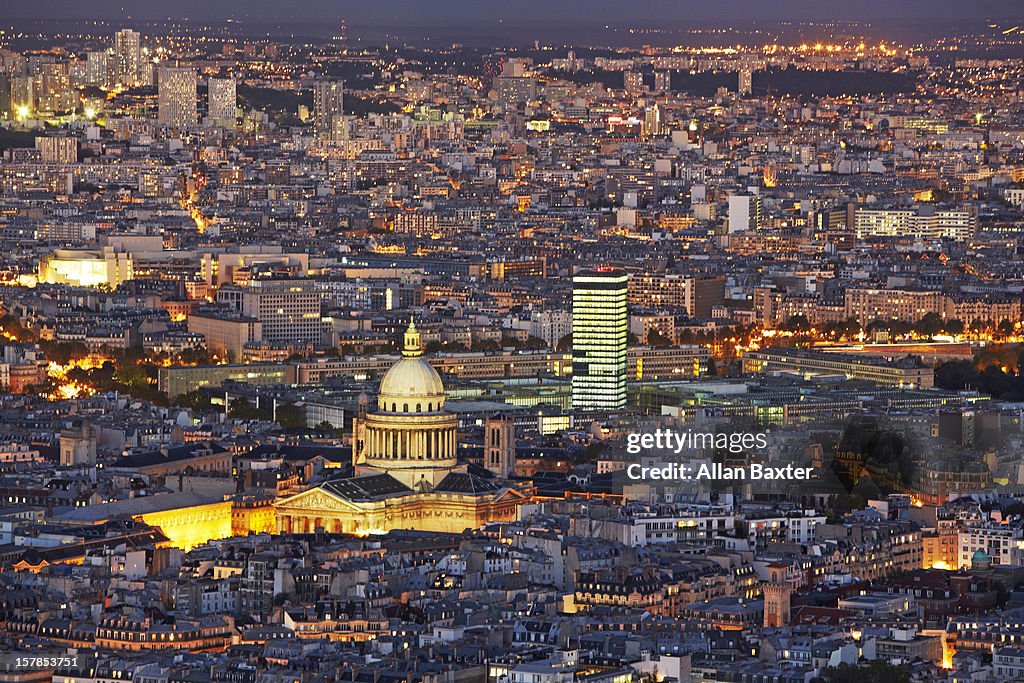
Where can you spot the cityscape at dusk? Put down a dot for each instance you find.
(450, 342)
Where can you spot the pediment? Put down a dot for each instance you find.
(315, 499)
(510, 493)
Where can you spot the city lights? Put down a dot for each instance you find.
(343, 348)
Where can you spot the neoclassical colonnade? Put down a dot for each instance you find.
(417, 443)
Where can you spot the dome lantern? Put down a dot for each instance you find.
(412, 347)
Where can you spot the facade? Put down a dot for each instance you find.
(328, 107)
(177, 98)
(744, 212)
(600, 324)
(925, 222)
(696, 295)
(175, 381)
(226, 335)
(222, 101)
(905, 373)
(86, 267)
(127, 57)
(1000, 544)
(865, 305)
(746, 80)
(58, 149)
(407, 473)
(288, 310)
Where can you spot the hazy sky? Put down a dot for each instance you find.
(521, 12)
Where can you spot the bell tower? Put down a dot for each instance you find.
(500, 445)
(777, 594)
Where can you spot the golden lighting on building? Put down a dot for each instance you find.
(66, 388)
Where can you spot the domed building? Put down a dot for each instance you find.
(407, 471)
(410, 436)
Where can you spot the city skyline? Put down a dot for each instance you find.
(573, 343)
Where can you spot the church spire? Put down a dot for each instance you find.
(412, 347)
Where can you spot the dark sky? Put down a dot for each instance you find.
(521, 12)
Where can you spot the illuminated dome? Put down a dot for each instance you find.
(412, 385)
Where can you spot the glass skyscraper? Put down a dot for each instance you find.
(600, 323)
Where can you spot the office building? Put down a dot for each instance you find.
(744, 212)
(662, 81)
(177, 97)
(746, 81)
(328, 107)
(696, 295)
(58, 149)
(288, 310)
(222, 102)
(924, 222)
(97, 68)
(652, 121)
(600, 324)
(907, 373)
(127, 57)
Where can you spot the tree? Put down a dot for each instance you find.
(534, 344)
(195, 356)
(797, 323)
(290, 415)
(656, 338)
(851, 327)
(954, 327)
(956, 375)
(243, 410)
(193, 400)
(329, 429)
(565, 343)
(63, 353)
(929, 325)
(486, 345)
(11, 326)
(132, 376)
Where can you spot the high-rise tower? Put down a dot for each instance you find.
(127, 57)
(599, 327)
(177, 97)
(328, 107)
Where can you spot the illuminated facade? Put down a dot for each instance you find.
(407, 474)
(176, 106)
(328, 107)
(222, 101)
(189, 527)
(600, 323)
(127, 57)
(102, 267)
